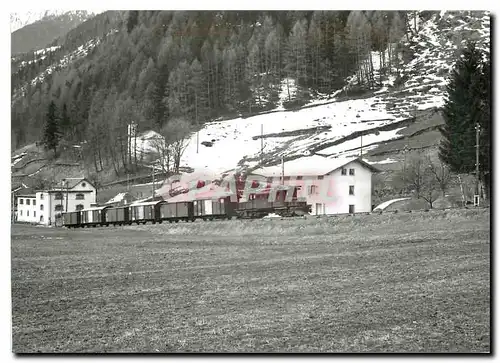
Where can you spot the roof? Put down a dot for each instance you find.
(210, 191)
(135, 204)
(95, 208)
(72, 182)
(311, 166)
(118, 198)
(185, 181)
(26, 196)
(273, 189)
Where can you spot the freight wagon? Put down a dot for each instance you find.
(145, 212)
(175, 212)
(118, 215)
(72, 219)
(93, 217)
(209, 209)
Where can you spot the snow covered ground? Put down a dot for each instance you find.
(17, 158)
(233, 139)
(386, 161)
(234, 143)
(386, 204)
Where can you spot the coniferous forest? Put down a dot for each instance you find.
(152, 66)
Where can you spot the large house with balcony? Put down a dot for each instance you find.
(329, 185)
(47, 206)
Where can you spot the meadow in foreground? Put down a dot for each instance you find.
(411, 282)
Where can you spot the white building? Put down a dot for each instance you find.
(27, 208)
(46, 206)
(329, 185)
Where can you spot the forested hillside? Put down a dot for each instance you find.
(155, 65)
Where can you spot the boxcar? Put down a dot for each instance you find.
(145, 212)
(93, 217)
(174, 212)
(214, 208)
(118, 215)
(72, 219)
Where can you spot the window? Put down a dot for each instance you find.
(351, 189)
(84, 184)
(79, 207)
(286, 178)
(41, 206)
(41, 218)
(299, 177)
(344, 171)
(21, 201)
(41, 196)
(21, 212)
(59, 196)
(34, 201)
(34, 213)
(80, 196)
(311, 189)
(28, 201)
(320, 177)
(58, 207)
(27, 213)
(351, 208)
(351, 171)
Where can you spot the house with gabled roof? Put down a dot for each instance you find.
(72, 194)
(330, 185)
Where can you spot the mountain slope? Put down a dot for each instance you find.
(21, 19)
(111, 77)
(39, 34)
(340, 127)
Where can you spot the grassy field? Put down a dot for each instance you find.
(406, 282)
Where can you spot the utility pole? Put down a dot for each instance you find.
(361, 154)
(62, 194)
(282, 170)
(153, 191)
(405, 151)
(12, 219)
(67, 195)
(197, 140)
(261, 142)
(478, 130)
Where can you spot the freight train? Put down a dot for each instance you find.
(189, 211)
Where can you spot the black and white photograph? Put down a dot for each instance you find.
(250, 181)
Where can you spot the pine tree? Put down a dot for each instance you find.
(197, 92)
(462, 111)
(132, 20)
(51, 132)
(65, 124)
(296, 59)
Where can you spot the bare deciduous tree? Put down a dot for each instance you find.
(414, 174)
(430, 186)
(442, 174)
(170, 145)
(425, 178)
(162, 151)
